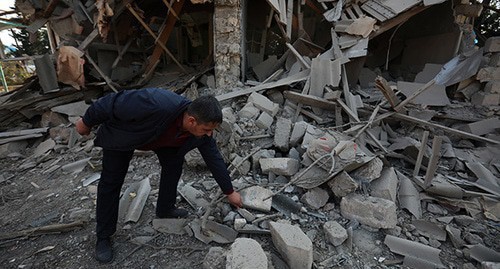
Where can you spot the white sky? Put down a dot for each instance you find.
(4, 34)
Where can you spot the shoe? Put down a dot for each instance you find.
(173, 213)
(103, 250)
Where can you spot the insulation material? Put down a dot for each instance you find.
(70, 66)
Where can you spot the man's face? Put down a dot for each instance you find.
(200, 130)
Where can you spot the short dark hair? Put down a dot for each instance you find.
(206, 109)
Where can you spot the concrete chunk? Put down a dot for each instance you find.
(216, 258)
(492, 44)
(299, 129)
(492, 87)
(335, 233)
(228, 115)
(342, 184)
(246, 253)
(315, 198)
(386, 186)
(263, 103)
(254, 196)
(371, 211)
(249, 111)
(279, 166)
(282, 134)
(264, 121)
(293, 245)
(369, 171)
(482, 127)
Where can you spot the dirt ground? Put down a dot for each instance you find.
(34, 194)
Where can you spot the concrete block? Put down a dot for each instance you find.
(299, 129)
(369, 171)
(342, 184)
(492, 44)
(282, 134)
(12, 147)
(249, 111)
(485, 99)
(215, 258)
(488, 74)
(228, 115)
(263, 103)
(246, 253)
(293, 245)
(243, 167)
(255, 198)
(371, 211)
(386, 186)
(492, 87)
(335, 233)
(264, 121)
(264, 153)
(495, 59)
(279, 166)
(315, 198)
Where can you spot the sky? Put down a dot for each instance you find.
(5, 34)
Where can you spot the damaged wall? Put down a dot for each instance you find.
(227, 37)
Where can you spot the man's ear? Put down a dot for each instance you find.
(191, 120)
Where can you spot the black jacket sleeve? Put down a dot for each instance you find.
(216, 165)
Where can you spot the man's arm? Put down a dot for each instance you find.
(216, 165)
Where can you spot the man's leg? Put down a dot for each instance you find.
(114, 168)
(171, 170)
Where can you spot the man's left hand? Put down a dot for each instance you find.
(235, 199)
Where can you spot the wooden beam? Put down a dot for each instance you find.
(163, 38)
(421, 152)
(310, 100)
(157, 41)
(98, 69)
(433, 162)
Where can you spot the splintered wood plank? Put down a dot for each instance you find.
(163, 38)
(309, 100)
(421, 152)
(433, 162)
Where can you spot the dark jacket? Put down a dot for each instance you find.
(133, 118)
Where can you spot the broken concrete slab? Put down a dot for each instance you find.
(293, 245)
(249, 111)
(417, 255)
(315, 198)
(342, 184)
(370, 171)
(298, 132)
(386, 185)
(335, 233)
(255, 198)
(170, 226)
(264, 121)
(76, 109)
(246, 253)
(44, 147)
(279, 166)
(372, 211)
(482, 253)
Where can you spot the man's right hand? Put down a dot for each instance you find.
(81, 127)
(235, 199)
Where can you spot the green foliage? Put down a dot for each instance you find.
(15, 72)
(27, 45)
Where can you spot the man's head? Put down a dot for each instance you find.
(202, 116)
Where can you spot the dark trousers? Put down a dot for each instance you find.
(114, 168)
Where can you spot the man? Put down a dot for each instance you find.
(158, 120)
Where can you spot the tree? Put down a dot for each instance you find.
(27, 44)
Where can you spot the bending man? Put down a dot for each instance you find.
(158, 120)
